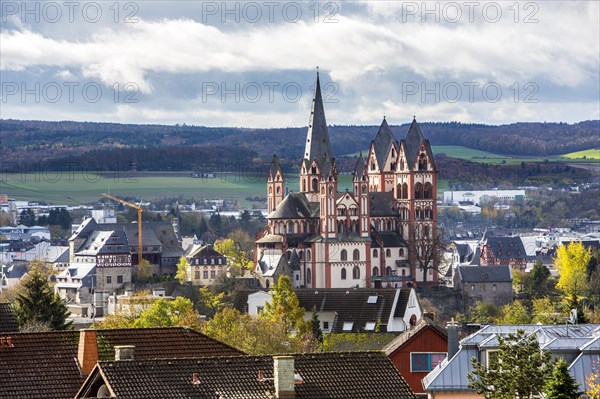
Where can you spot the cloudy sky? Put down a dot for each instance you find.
(253, 64)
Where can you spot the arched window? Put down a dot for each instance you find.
(418, 191)
(270, 190)
(404, 272)
(301, 255)
(375, 253)
(267, 284)
(388, 253)
(308, 256)
(401, 252)
(355, 273)
(308, 276)
(389, 225)
(341, 227)
(343, 255)
(278, 190)
(422, 162)
(427, 190)
(375, 271)
(388, 271)
(426, 231)
(315, 184)
(343, 273)
(404, 191)
(356, 254)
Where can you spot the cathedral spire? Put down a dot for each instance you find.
(318, 145)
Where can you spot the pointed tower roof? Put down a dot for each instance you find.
(294, 261)
(412, 143)
(382, 142)
(360, 166)
(275, 167)
(317, 139)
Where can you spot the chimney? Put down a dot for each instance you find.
(124, 352)
(452, 338)
(283, 372)
(87, 352)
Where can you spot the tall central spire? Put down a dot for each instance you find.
(317, 139)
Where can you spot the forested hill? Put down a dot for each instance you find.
(22, 141)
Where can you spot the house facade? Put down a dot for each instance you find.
(205, 264)
(490, 284)
(370, 236)
(502, 251)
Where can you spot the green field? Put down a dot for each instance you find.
(473, 155)
(592, 154)
(86, 188)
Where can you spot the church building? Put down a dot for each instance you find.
(378, 234)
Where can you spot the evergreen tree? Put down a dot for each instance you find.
(560, 384)
(518, 371)
(37, 303)
(315, 324)
(27, 217)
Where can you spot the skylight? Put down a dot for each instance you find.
(372, 299)
(348, 326)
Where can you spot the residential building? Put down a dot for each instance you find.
(365, 375)
(369, 236)
(54, 364)
(353, 310)
(205, 264)
(489, 284)
(417, 351)
(480, 197)
(579, 345)
(502, 251)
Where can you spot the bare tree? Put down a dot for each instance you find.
(426, 250)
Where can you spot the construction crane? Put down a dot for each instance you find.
(139, 222)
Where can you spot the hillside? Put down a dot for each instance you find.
(23, 141)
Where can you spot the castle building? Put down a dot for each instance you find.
(379, 234)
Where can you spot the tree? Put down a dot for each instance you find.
(144, 271)
(544, 312)
(484, 313)
(177, 313)
(210, 302)
(514, 313)
(182, 270)
(571, 262)
(38, 304)
(518, 371)
(27, 217)
(427, 251)
(285, 307)
(560, 384)
(593, 383)
(535, 284)
(315, 325)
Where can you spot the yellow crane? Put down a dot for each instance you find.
(139, 222)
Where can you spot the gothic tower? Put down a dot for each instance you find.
(416, 196)
(275, 185)
(317, 162)
(382, 160)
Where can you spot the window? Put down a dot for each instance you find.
(315, 185)
(425, 362)
(108, 279)
(355, 273)
(204, 275)
(388, 253)
(325, 325)
(213, 274)
(375, 271)
(308, 276)
(472, 287)
(374, 253)
(494, 287)
(343, 273)
(356, 254)
(119, 279)
(388, 271)
(343, 255)
(370, 326)
(197, 274)
(308, 257)
(401, 252)
(348, 326)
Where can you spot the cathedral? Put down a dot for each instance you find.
(376, 235)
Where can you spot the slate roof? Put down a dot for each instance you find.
(295, 206)
(505, 247)
(274, 168)
(294, 260)
(387, 239)
(412, 143)
(365, 375)
(205, 251)
(351, 305)
(318, 145)
(105, 242)
(483, 274)
(44, 365)
(382, 204)
(360, 166)
(382, 143)
(8, 321)
(269, 261)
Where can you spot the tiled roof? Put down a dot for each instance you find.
(506, 247)
(44, 365)
(351, 305)
(8, 321)
(365, 375)
(383, 204)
